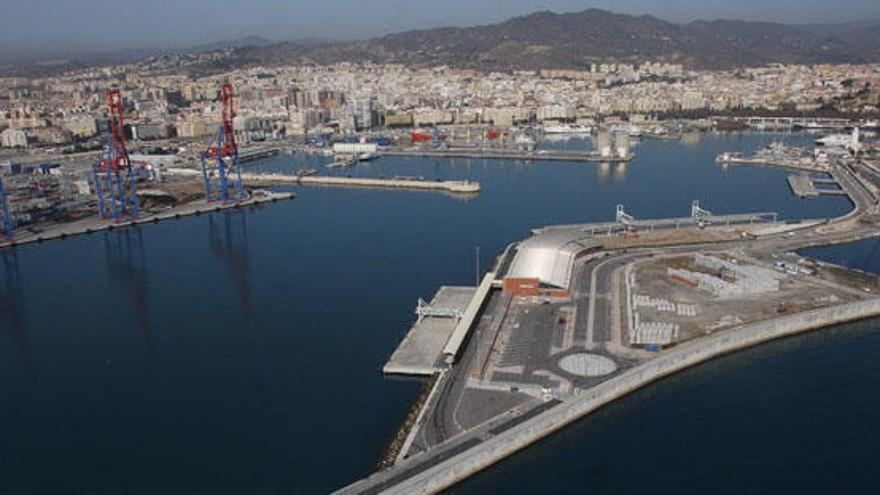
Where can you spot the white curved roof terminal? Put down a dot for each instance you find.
(549, 256)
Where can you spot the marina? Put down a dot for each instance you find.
(777, 155)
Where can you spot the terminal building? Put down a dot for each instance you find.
(541, 265)
(546, 260)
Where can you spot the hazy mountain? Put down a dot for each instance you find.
(45, 62)
(549, 40)
(249, 41)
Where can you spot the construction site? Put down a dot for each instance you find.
(670, 300)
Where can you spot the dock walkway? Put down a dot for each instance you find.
(420, 351)
(451, 186)
(804, 186)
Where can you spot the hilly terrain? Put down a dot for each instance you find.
(549, 40)
(546, 40)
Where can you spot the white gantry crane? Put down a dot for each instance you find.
(701, 215)
(424, 309)
(697, 212)
(621, 216)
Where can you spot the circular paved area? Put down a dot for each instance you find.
(584, 364)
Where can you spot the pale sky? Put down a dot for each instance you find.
(103, 25)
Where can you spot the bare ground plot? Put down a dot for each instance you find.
(705, 312)
(670, 237)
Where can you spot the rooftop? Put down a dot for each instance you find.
(549, 256)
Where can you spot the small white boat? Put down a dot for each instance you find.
(631, 129)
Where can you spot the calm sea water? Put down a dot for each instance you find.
(240, 352)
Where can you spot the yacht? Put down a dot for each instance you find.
(838, 140)
(525, 142)
(631, 129)
(834, 140)
(367, 156)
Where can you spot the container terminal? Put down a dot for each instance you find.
(575, 316)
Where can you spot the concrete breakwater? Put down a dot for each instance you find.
(454, 186)
(448, 472)
(393, 452)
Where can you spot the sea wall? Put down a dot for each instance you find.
(455, 469)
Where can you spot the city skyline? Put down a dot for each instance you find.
(53, 27)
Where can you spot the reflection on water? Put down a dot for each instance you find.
(126, 267)
(12, 311)
(690, 139)
(872, 257)
(603, 172)
(620, 171)
(617, 171)
(229, 245)
(862, 255)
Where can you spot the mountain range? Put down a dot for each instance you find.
(547, 40)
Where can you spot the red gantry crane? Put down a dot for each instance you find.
(225, 152)
(113, 176)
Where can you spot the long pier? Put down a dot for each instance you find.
(258, 154)
(792, 164)
(788, 123)
(452, 186)
(499, 154)
(608, 228)
(97, 224)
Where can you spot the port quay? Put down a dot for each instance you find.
(557, 328)
(489, 154)
(93, 225)
(223, 274)
(577, 316)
